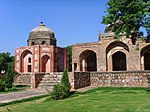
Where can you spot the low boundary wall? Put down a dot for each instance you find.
(116, 78)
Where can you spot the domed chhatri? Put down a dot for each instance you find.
(41, 35)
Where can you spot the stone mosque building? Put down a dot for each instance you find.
(107, 62)
(109, 54)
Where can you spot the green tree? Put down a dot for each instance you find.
(5, 58)
(9, 75)
(70, 57)
(128, 16)
(2, 85)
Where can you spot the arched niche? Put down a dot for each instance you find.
(113, 48)
(88, 61)
(119, 61)
(26, 61)
(145, 58)
(46, 64)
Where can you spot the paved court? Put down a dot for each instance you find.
(21, 95)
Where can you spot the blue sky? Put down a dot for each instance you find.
(73, 21)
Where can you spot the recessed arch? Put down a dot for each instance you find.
(119, 61)
(26, 61)
(46, 64)
(116, 44)
(145, 57)
(113, 48)
(88, 61)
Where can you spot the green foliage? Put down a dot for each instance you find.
(9, 76)
(58, 92)
(137, 49)
(5, 58)
(2, 85)
(61, 90)
(70, 57)
(128, 16)
(65, 79)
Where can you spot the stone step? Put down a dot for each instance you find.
(52, 76)
(47, 84)
(45, 80)
(45, 87)
(49, 81)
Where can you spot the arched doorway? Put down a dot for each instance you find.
(145, 58)
(112, 51)
(88, 61)
(26, 61)
(45, 63)
(119, 61)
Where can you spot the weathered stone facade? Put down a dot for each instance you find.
(111, 62)
(109, 54)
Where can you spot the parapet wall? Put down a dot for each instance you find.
(118, 79)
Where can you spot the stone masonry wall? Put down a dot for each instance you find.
(22, 79)
(119, 79)
(38, 78)
(81, 79)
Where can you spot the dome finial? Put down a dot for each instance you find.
(42, 24)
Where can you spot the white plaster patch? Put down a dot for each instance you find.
(36, 64)
(36, 49)
(35, 70)
(17, 65)
(17, 57)
(36, 56)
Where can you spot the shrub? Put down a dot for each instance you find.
(58, 92)
(2, 85)
(61, 90)
(65, 80)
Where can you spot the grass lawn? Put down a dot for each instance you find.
(106, 99)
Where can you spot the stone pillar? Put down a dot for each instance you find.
(33, 82)
(142, 63)
(83, 65)
(78, 67)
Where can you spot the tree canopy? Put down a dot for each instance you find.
(129, 17)
(5, 58)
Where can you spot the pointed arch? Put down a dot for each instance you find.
(119, 61)
(46, 64)
(26, 61)
(116, 44)
(145, 58)
(88, 61)
(113, 50)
